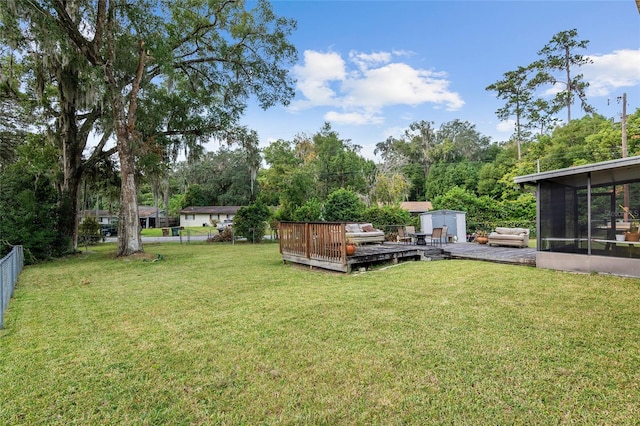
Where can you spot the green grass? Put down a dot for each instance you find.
(193, 230)
(227, 334)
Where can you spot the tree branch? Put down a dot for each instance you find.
(88, 49)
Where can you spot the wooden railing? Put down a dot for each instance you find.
(322, 241)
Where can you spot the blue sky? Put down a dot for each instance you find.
(371, 68)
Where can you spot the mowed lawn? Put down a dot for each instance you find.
(228, 334)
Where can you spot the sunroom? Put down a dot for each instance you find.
(587, 217)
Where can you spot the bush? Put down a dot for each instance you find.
(388, 218)
(486, 213)
(226, 236)
(251, 222)
(89, 231)
(343, 206)
(310, 211)
(30, 214)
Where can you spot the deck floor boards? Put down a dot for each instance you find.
(513, 255)
(369, 254)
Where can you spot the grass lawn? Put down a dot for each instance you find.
(193, 230)
(227, 334)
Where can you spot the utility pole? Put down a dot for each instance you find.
(626, 200)
(624, 125)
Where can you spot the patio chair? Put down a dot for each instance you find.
(436, 236)
(402, 237)
(410, 231)
(445, 235)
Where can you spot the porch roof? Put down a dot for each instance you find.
(622, 170)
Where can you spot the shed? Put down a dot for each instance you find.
(584, 213)
(455, 221)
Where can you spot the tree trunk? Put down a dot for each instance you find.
(129, 240)
(124, 119)
(71, 146)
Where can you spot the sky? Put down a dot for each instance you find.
(371, 68)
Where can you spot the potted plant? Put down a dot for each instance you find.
(351, 249)
(481, 237)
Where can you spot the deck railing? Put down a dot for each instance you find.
(323, 241)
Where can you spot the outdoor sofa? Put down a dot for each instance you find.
(362, 233)
(515, 237)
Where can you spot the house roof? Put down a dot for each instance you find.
(416, 206)
(210, 210)
(620, 171)
(148, 211)
(143, 211)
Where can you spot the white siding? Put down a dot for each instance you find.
(199, 219)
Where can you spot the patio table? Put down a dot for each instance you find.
(420, 238)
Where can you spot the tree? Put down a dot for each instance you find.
(343, 206)
(516, 89)
(421, 137)
(222, 178)
(390, 188)
(68, 96)
(12, 115)
(281, 162)
(412, 155)
(459, 140)
(208, 58)
(444, 176)
(559, 56)
(338, 164)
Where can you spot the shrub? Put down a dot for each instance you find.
(486, 213)
(29, 208)
(251, 221)
(388, 218)
(310, 211)
(226, 236)
(89, 231)
(343, 206)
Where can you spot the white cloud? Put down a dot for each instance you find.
(372, 83)
(366, 60)
(507, 126)
(353, 118)
(315, 76)
(612, 71)
(398, 83)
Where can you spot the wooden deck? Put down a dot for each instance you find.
(323, 245)
(511, 255)
(372, 254)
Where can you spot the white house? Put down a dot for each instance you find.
(206, 215)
